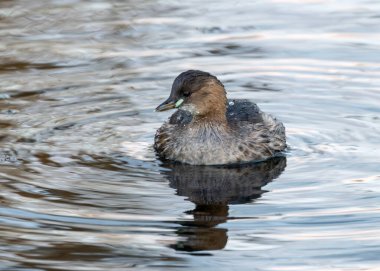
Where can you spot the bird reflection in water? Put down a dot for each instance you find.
(212, 189)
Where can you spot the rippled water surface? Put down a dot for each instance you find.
(81, 188)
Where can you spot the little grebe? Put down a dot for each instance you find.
(208, 129)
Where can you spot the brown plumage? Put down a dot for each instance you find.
(208, 129)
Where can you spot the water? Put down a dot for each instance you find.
(81, 188)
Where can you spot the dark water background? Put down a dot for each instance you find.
(81, 189)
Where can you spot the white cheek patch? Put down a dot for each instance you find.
(190, 108)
